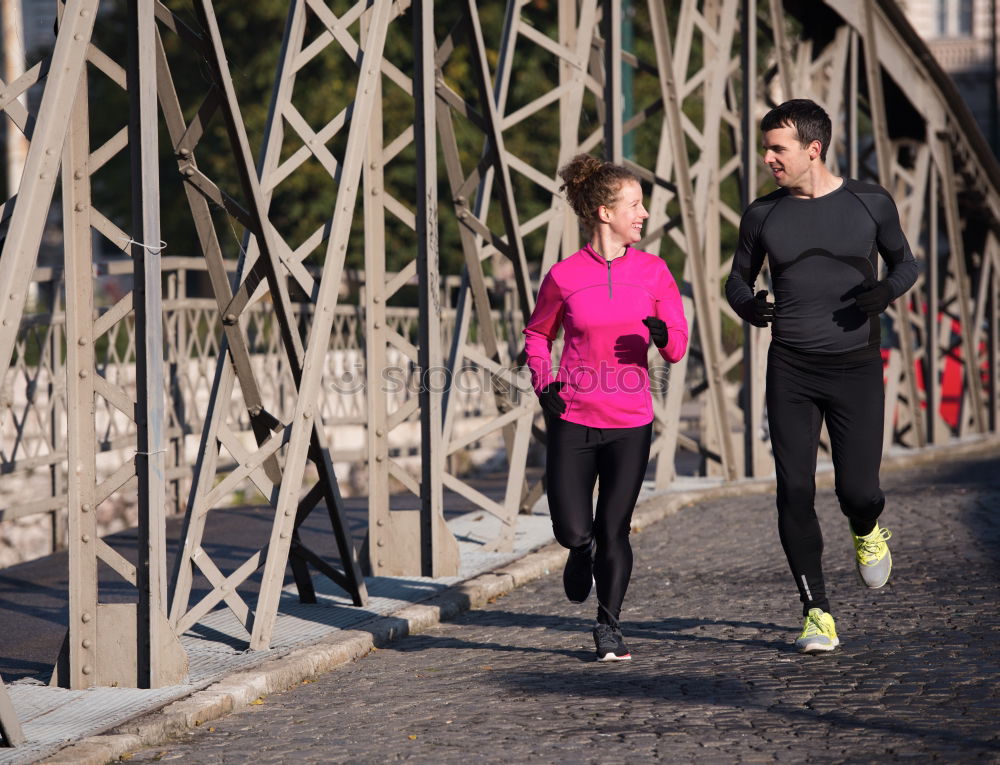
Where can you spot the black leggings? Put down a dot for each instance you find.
(802, 391)
(576, 456)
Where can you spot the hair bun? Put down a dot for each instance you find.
(580, 168)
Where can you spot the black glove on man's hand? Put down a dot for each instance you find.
(874, 298)
(657, 330)
(762, 312)
(552, 403)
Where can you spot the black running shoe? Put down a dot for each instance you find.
(610, 643)
(578, 576)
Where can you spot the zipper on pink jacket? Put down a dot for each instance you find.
(610, 296)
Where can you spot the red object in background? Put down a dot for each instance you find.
(950, 407)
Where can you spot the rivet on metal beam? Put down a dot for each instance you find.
(82, 341)
(380, 522)
(229, 319)
(379, 458)
(379, 432)
(376, 299)
(87, 669)
(85, 508)
(82, 373)
(87, 643)
(86, 617)
(85, 538)
(377, 325)
(381, 543)
(284, 535)
(79, 207)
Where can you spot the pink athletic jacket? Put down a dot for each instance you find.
(601, 305)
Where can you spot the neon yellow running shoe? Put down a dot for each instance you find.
(818, 633)
(872, 557)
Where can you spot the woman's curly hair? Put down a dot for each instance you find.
(590, 182)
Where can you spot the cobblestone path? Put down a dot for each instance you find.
(710, 618)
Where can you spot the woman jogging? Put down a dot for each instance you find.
(610, 300)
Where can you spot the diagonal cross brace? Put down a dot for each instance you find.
(27, 222)
(305, 417)
(306, 362)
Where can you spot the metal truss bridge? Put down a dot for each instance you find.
(447, 129)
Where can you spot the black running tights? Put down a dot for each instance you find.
(850, 397)
(576, 457)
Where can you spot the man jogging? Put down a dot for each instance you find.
(822, 236)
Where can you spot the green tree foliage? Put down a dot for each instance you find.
(324, 89)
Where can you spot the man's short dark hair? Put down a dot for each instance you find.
(809, 119)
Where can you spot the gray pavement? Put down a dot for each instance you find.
(710, 618)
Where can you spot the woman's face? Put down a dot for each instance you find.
(626, 216)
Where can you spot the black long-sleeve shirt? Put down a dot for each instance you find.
(820, 251)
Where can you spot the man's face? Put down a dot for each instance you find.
(788, 160)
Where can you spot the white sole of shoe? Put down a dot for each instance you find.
(613, 657)
(818, 647)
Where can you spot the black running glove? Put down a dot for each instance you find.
(657, 330)
(552, 403)
(875, 297)
(761, 312)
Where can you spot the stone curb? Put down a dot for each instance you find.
(241, 689)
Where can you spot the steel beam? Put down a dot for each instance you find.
(438, 548)
(753, 358)
(304, 363)
(24, 232)
(972, 398)
(114, 644)
(611, 30)
(81, 368)
(312, 361)
(514, 408)
(150, 410)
